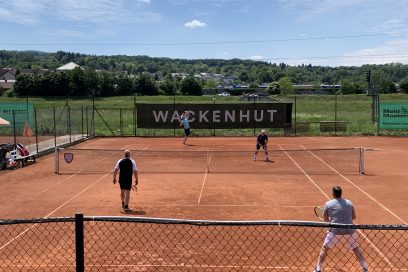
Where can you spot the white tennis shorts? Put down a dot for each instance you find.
(349, 240)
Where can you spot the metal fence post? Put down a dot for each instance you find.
(79, 242)
(55, 128)
(295, 115)
(335, 114)
(69, 123)
(36, 129)
(14, 128)
(213, 115)
(174, 109)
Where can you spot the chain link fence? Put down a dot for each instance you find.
(70, 122)
(150, 244)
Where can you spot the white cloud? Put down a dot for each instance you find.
(88, 10)
(389, 52)
(195, 24)
(37, 11)
(256, 57)
(25, 12)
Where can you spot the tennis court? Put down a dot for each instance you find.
(216, 179)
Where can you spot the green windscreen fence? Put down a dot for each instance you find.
(17, 113)
(393, 115)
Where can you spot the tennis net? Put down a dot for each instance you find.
(286, 162)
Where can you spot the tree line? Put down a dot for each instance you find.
(120, 75)
(79, 82)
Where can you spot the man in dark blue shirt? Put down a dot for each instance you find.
(262, 140)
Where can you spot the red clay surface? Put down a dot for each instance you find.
(379, 196)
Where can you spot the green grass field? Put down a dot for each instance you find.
(354, 109)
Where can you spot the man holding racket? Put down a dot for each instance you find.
(341, 211)
(186, 125)
(262, 140)
(126, 168)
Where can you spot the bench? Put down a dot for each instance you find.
(298, 127)
(21, 160)
(333, 126)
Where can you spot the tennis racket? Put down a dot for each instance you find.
(319, 212)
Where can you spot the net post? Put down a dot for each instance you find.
(361, 163)
(56, 160)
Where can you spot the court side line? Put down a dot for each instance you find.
(89, 186)
(45, 190)
(359, 231)
(356, 186)
(204, 179)
(62, 181)
(29, 228)
(308, 177)
(204, 205)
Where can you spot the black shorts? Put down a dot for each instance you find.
(258, 146)
(125, 185)
(187, 132)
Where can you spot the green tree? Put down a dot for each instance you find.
(244, 76)
(124, 85)
(210, 84)
(403, 85)
(190, 86)
(145, 85)
(24, 85)
(169, 85)
(274, 88)
(77, 82)
(380, 82)
(92, 82)
(346, 87)
(285, 85)
(107, 84)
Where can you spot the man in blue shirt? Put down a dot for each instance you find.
(186, 125)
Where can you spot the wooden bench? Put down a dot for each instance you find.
(299, 127)
(333, 126)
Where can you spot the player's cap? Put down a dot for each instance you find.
(263, 131)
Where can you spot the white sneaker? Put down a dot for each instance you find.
(254, 158)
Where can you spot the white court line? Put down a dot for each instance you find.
(75, 196)
(204, 179)
(356, 186)
(314, 183)
(29, 228)
(303, 171)
(62, 181)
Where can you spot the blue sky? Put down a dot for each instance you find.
(317, 32)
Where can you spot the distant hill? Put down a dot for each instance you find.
(247, 71)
